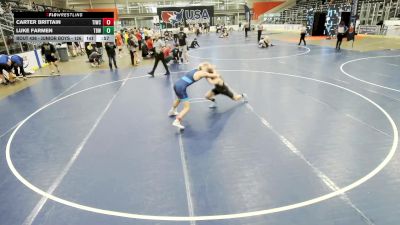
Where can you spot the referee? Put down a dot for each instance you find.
(260, 28)
(159, 56)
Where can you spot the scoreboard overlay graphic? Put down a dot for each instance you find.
(64, 26)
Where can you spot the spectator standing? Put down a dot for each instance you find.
(341, 30)
(150, 45)
(119, 42)
(49, 52)
(351, 34)
(183, 46)
(139, 38)
(303, 32)
(133, 44)
(167, 54)
(246, 29)
(110, 49)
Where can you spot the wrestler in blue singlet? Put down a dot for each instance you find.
(181, 85)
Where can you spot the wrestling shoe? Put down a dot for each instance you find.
(178, 124)
(244, 98)
(213, 105)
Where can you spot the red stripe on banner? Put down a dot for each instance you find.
(260, 8)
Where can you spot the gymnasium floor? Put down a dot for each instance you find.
(315, 145)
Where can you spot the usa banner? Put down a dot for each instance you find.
(182, 16)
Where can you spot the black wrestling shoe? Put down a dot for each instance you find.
(151, 73)
(213, 105)
(167, 74)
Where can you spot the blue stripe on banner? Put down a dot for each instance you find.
(37, 58)
(187, 80)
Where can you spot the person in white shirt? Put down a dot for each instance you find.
(259, 31)
(303, 32)
(341, 31)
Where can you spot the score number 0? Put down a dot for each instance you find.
(108, 21)
(108, 25)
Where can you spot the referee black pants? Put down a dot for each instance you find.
(302, 38)
(339, 40)
(159, 57)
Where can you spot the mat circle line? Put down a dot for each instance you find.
(364, 81)
(321, 198)
(254, 59)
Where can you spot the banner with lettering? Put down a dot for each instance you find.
(178, 16)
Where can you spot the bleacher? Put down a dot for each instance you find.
(370, 11)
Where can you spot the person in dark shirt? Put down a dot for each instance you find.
(194, 44)
(175, 54)
(183, 46)
(49, 53)
(110, 49)
(145, 51)
(221, 88)
(351, 34)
